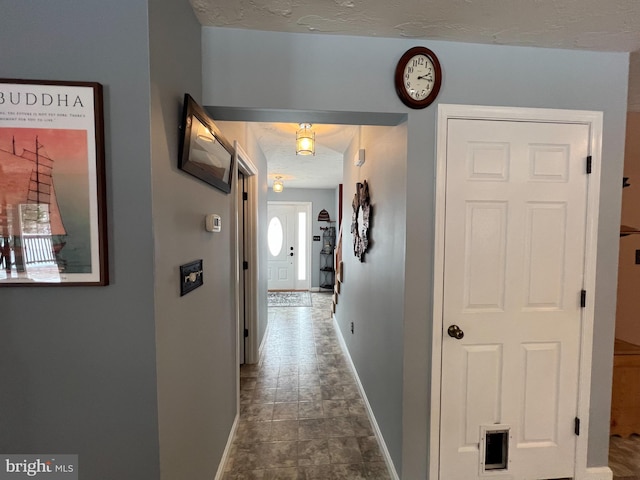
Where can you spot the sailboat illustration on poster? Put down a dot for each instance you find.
(52, 225)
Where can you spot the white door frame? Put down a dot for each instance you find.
(248, 168)
(306, 285)
(594, 121)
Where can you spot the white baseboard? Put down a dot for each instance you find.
(227, 449)
(264, 341)
(596, 473)
(383, 446)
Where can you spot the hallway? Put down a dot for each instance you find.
(301, 414)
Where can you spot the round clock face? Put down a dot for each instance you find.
(418, 77)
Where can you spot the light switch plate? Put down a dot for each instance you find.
(190, 276)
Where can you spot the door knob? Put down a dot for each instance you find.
(455, 331)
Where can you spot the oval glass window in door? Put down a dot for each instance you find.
(275, 236)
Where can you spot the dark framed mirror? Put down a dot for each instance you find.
(204, 152)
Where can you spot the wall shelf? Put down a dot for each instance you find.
(327, 270)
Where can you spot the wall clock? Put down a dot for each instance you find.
(418, 77)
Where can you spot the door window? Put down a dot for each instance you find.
(275, 236)
(302, 244)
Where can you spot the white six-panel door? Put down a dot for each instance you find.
(515, 229)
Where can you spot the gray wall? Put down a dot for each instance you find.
(320, 198)
(353, 74)
(372, 292)
(196, 334)
(77, 364)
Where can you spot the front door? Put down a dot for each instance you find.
(288, 238)
(515, 230)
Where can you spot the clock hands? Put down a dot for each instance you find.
(425, 77)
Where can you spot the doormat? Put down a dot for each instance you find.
(289, 299)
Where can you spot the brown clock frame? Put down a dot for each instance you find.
(399, 81)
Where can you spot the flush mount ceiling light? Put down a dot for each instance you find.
(278, 186)
(305, 140)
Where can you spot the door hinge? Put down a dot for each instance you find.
(245, 265)
(589, 164)
(246, 332)
(245, 196)
(576, 426)
(583, 298)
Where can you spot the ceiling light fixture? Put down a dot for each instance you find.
(278, 186)
(305, 140)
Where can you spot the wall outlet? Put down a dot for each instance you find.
(352, 328)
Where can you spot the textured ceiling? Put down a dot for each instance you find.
(323, 170)
(604, 25)
(608, 25)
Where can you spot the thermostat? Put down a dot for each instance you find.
(358, 159)
(212, 223)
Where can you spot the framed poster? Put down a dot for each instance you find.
(52, 184)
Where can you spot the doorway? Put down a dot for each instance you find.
(512, 328)
(243, 247)
(289, 245)
(247, 256)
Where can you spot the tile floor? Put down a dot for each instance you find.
(301, 414)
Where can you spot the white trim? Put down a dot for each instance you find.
(263, 343)
(308, 206)
(245, 164)
(596, 473)
(594, 120)
(374, 424)
(248, 168)
(591, 245)
(227, 449)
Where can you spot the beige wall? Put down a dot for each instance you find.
(628, 312)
